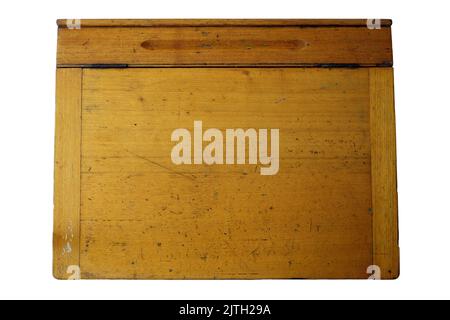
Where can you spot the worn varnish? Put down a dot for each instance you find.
(384, 177)
(66, 239)
(128, 212)
(225, 46)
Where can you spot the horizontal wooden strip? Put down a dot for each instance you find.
(224, 46)
(62, 23)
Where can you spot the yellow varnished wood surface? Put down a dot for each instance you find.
(142, 217)
(124, 210)
(66, 239)
(384, 172)
(227, 45)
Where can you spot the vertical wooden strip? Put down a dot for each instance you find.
(384, 175)
(67, 174)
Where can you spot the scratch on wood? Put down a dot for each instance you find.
(161, 166)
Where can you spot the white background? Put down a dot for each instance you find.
(27, 73)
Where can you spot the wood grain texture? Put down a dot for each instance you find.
(384, 172)
(123, 210)
(225, 46)
(142, 217)
(88, 23)
(67, 172)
